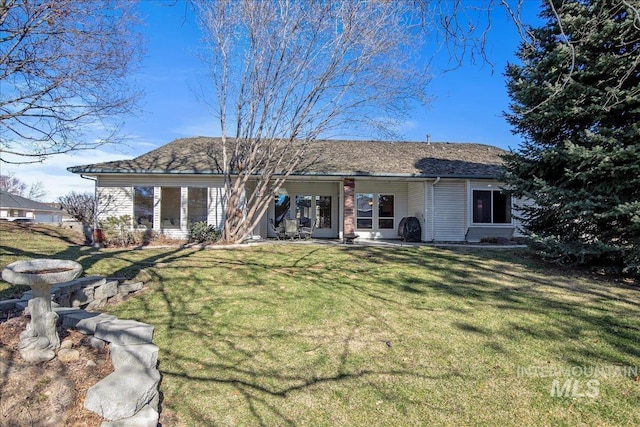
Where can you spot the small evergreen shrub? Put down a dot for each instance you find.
(201, 232)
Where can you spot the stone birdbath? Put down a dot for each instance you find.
(39, 341)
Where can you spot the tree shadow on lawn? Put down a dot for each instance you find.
(575, 302)
(226, 349)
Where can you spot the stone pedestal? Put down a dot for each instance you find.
(39, 341)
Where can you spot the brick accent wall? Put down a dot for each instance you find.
(349, 220)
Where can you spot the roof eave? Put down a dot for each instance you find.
(98, 171)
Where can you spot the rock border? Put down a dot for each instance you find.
(130, 395)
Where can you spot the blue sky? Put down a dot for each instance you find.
(467, 105)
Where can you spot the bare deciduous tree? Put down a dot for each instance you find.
(81, 206)
(63, 71)
(14, 185)
(288, 72)
(36, 191)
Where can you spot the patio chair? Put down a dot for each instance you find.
(278, 231)
(291, 229)
(306, 232)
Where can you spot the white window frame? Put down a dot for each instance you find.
(375, 217)
(492, 190)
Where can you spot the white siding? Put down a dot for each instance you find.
(416, 203)
(517, 223)
(427, 233)
(216, 215)
(115, 197)
(114, 201)
(450, 211)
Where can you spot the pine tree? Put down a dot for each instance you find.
(576, 102)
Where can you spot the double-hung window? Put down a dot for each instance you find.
(386, 210)
(491, 207)
(364, 212)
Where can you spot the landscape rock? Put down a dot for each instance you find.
(86, 322)
(126, 288)
(65, 311)
(124, 332)
(105, 291)
(96, 343)
(81, 297)
(122, 393)
(68, 354)
(147, 417)
(8, 304)
(96, 304)
(142, 355)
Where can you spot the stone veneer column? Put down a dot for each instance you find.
(349, 217)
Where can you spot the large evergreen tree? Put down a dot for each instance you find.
(576, 102)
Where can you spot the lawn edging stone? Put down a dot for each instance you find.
(129, 396)
(133, 385)
(85, 292)
(123, 393)
(124, 332)
(143, 355)
(85, 321)
(8, 304)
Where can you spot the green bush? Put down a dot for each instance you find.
(201, 232)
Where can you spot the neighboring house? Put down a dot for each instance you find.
(17, 208)
(365, 187)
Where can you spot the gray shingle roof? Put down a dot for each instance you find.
(331, 157)
(11, 201)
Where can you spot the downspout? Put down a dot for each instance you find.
(433, 209)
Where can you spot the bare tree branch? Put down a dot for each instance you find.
(63, 70)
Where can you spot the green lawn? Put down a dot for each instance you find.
(326, 335)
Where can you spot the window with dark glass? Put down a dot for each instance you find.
(282, 203)
(170, 207)
(303, 210)
(491, 207)
(501, 208)
(323, 212)
(197, 205)
(143, 206)
(364, 213)
(385, 211)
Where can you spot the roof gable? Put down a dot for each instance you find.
(325, 157)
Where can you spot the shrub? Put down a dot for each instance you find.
(201, 232)
(117, 232)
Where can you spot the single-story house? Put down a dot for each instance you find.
(17, 208)
(366, 187)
